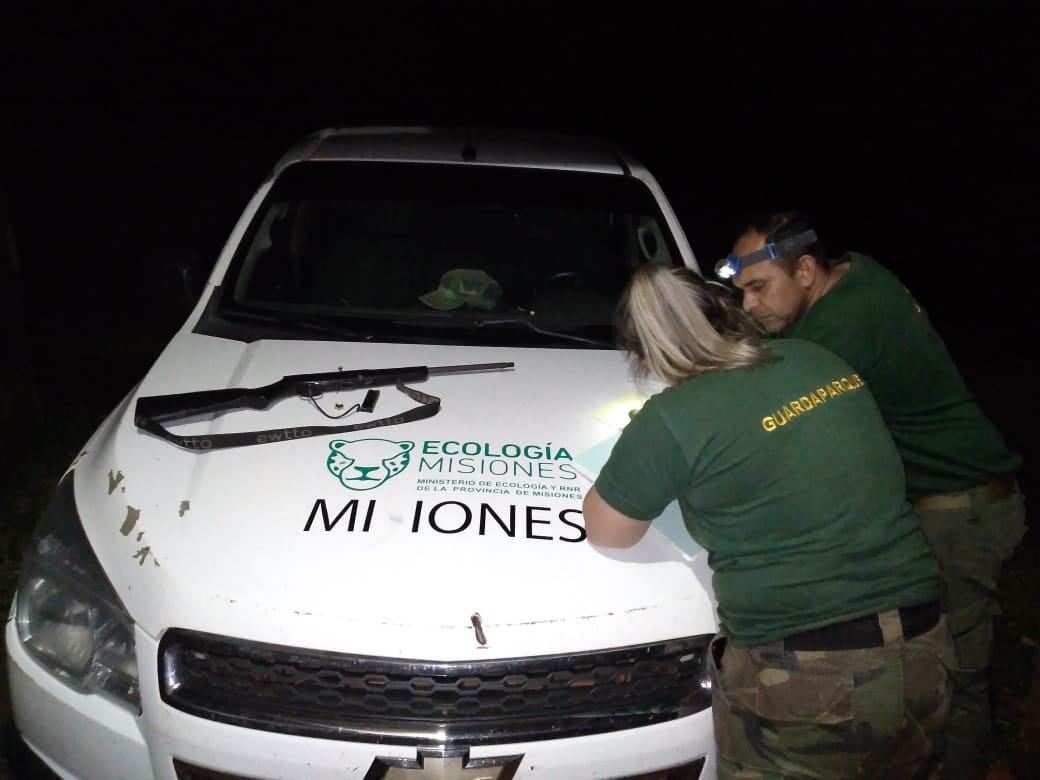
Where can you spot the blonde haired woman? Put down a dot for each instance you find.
(828, 663)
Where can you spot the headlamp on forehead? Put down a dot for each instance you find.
(731, 265)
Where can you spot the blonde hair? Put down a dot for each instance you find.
(676, 327)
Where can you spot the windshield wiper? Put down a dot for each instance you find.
(523, 322)
(292, 321)
(527, 322)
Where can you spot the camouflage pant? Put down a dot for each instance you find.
(971, 534)
(872, 713)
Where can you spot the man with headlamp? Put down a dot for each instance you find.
(960, 475)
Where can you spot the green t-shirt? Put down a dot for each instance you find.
(870, 319)
(786, 474)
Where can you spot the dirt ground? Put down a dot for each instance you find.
(81, 380)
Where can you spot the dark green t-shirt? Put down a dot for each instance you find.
(870, 319)
(786, 474)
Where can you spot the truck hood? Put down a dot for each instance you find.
(387, 541)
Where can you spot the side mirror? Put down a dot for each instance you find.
(176, 279)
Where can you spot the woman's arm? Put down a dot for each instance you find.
(607, 527)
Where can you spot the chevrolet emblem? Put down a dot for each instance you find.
(444, 764)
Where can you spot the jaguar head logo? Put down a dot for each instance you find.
(364, 464)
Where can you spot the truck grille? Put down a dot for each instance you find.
(387, 700)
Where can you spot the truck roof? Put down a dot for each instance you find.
(473, 146)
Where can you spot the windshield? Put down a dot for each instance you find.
(442, 253)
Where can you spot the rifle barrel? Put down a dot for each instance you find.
(468, 369)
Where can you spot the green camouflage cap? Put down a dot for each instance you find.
(464, 287)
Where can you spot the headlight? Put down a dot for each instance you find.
(69, 617)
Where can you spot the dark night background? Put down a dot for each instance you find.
(904, 129)
(908, 130)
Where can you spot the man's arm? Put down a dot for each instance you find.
(607, 527)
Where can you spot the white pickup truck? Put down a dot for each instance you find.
(231, 584)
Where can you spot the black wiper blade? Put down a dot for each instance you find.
(526, 322)
(290, 321)
(476, 323)
(319, 325)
